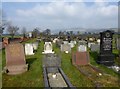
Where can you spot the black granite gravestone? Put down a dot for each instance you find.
(106, 57)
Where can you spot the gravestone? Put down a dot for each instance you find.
(95, 47)
(71, 45)
(80, 58)
(35, 45)
(65, 48)
(89, 44)
(98, 41)
(106, 57)
(75, 42)
(51, 62)
(82, 48)
(5, 41)
(47, 48)
(29, 49)
(118, 43)
(82, 42)
(58, 43)
(65, 42)
(15, 59)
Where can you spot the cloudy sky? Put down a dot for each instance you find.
(61, 14)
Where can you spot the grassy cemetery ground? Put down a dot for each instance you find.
(34, 76)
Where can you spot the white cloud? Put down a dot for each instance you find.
(62, 14)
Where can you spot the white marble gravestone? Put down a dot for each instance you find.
(65, 42)
(98, 41)
(71, 45)
(65, 48)
(75, 42)
(35, 45)
(89, 44)
(82, 48)
(47, 48)
(29, 49)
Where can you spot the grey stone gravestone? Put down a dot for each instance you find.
(29, 49)
(118, 43)
(15, 59)
(106, 57)
(95, 47)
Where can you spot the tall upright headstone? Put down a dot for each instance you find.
(106, 57)
(15, 59)
(29, 49)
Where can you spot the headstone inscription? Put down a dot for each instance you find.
(106, 57)
(15, 59)
(80, 58)
(29, 49)
(47, 48)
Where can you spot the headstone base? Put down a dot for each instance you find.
(107, 60)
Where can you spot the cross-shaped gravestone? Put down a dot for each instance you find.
(15, 59)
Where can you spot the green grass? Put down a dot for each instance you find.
(75, 77)
(32, 78)
(93, 58)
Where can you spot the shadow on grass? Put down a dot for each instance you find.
(94, 55)
(30, 61)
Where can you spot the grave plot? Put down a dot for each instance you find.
(82, 62)
(15, 59)
(53, 74)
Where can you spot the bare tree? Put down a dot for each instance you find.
(35, 32)
(24, 31)
(12, 30)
